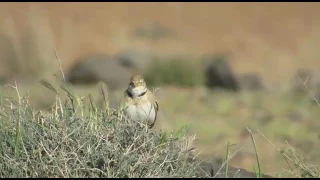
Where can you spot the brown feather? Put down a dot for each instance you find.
(156, 108)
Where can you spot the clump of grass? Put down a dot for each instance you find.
(176, 71)
(227, 160)
(257, 169)
(297, 167)
(78, 140)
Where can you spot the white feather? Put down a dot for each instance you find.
(137, 91)
(144, 113)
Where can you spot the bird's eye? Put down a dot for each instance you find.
(131, 84)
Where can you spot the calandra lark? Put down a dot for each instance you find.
(138, 102)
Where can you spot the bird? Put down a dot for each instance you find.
(138, 102)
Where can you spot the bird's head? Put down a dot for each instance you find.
(137, 86)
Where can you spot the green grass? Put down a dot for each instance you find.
(176, 71)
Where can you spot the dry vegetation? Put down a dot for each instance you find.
(77, 140)
(272, 39)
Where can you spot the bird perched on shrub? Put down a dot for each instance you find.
(138, 103)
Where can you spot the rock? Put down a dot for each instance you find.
(250, 82)
(218, 73)
(134, 59)
(212, 170)
(95, 68)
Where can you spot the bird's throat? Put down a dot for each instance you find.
(132, 95)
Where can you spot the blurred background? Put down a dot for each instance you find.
(221, 67)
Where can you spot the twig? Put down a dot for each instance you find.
(236, 152)
(280, 151)
(256, 152)
(286, 157)
(60, 65)
(305, 85)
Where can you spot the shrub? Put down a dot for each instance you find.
(78, 140)
(173, 71)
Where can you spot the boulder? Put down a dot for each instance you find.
(211, 169)
(218, 73)
(96, 68)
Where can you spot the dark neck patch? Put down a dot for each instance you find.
(130, 95)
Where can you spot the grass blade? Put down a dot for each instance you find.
(48, 85)
(92, 105)
(182, 131)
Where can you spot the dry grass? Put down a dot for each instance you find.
(81, 140)
(76, 124)
(272, 39)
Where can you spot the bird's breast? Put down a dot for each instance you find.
(141, 112)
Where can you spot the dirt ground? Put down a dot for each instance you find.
(259, 37)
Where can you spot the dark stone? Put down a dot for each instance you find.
(212, 170)
(96, 68)
(218, 73)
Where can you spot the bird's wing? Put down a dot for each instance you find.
(156, 107)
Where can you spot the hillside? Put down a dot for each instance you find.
(260, 37)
